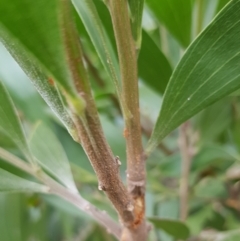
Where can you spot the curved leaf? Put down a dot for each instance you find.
(19, 43)
(10, 209)
(50, 154)
(208, 71)
(13, 183)
(9, 123)
(176, 16)
(93, 24)
(173, 227)
(32, 28)
(49, 92)
(136, 7)
(155, 74)
(221, 4)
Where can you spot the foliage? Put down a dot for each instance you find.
(67, 83)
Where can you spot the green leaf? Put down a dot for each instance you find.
(83, 176)
(46, 86)
(232, 235)
(10, 209)
(32, 29)
(208, 71)
(136, 8)
(155, 74)
(176, 16)
(221, 4)
(6, 141)
(49, 92)
(210, 187)
(9, 123)
(173, 227)
(93, 24)
(50, 154)
(214, 120)
(13, 183)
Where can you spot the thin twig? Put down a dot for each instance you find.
(186, 163)
(146, 125)
(200, 16)
(74, 198)
(136, 173)
(16, 161)
(88, 123)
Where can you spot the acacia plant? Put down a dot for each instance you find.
(81, 53)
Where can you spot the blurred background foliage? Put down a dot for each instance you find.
(214, 203)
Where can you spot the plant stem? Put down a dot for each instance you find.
(100, 216)
(88, 124)
(57, 189)
(15, 161)
(136, 173)
(186, 163)
(200, 16)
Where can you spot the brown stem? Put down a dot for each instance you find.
(105, 167)
(89, 127)
(136, 173)
(146, 125)
(184, 147)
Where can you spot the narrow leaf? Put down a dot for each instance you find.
(208, 71)
(221, 4)
(9, 123)
(32, 28)
(93, 24)
(176, 16)
(136, 8)
(155, 74)
(175, 228)
(50, 154)
(49, 92)
(39, 50)
(13, 183)
(10, 211)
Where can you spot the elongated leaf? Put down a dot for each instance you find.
(10, 213)
(45, 85)
(6, 141)
(208, 71)
(136, 7)
(50, 154)
(9, 123)
(215, 119)
(31, 61)
(13, 183)
(83, 176)
(173, 227)
(155, 74)
(176, 16)
(92, 22)
(49, 92)
(32, 28)
(221, 4)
